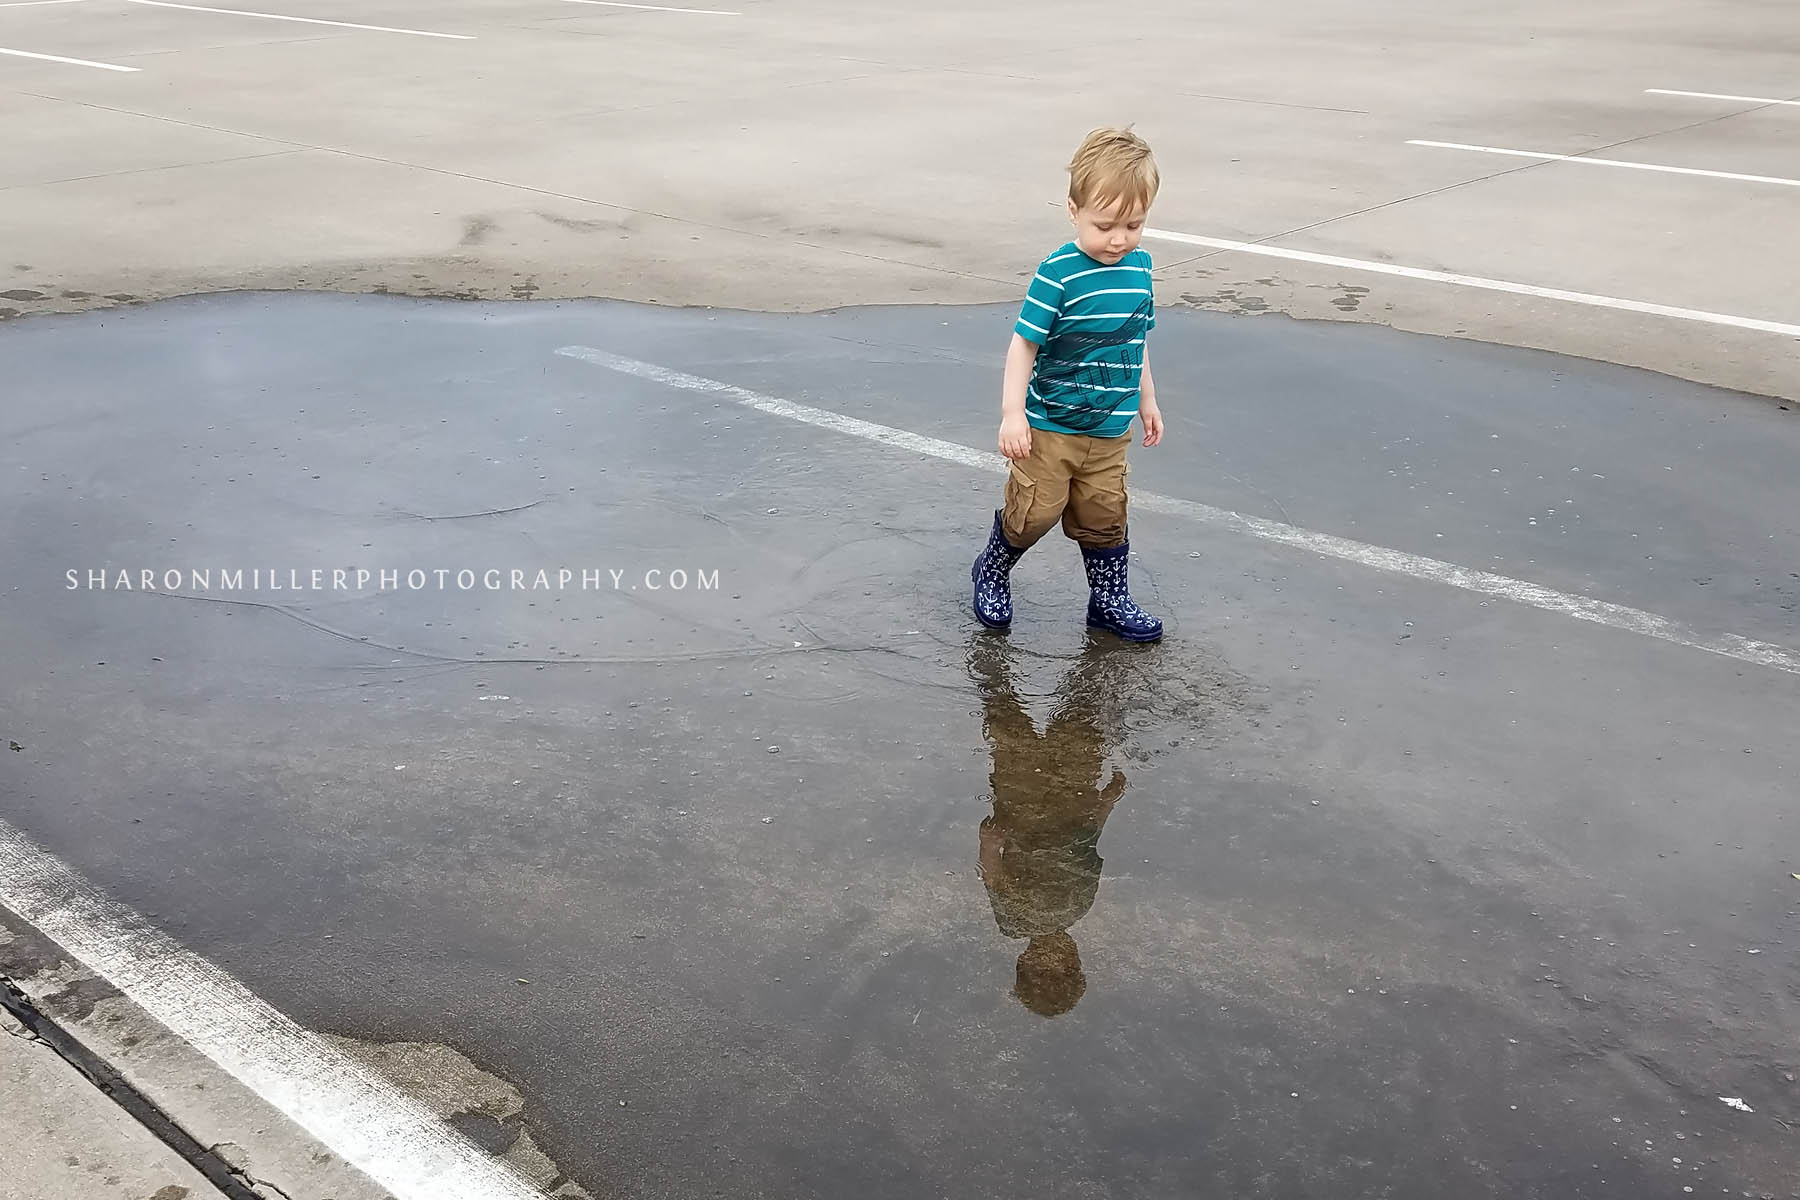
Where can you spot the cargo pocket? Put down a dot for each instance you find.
(1023, 506)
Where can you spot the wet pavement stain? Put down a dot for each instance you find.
(480, 1105)
(1228, 300)
(578, 225)
(77, 1000)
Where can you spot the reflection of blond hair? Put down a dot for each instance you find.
(1049, 980)
(1113, 164)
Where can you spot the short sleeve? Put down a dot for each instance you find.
(1043, 304)
(1150, 284)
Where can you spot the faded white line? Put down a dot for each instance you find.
(238, 12)
(1381, 558)
(73, 62)
(38, 3)
(1608, 162)
(708, 12)
(368, 1121)
(1717, 96)
(1476, 281)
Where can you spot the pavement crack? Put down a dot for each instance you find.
(1246, 484)
(764, 650)
(20, 1032)
(261, 1186)
(489, 512)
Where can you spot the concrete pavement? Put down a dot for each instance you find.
(65, 1140)
(800, 155)
(1413, 890)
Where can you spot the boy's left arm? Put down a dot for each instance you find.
(1147, 407)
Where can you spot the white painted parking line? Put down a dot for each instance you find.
(1608, 162)
(38, 3)
(238, 12)
(710, 12)
(74, 62)
(1717, 96)
(366, 1120)
(1381, 558)
(1476, 281)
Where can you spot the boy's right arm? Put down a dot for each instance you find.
(1015, 430)
(1036, 325)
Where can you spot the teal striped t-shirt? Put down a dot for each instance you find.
(1089, 321)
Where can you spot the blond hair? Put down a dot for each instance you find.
(1113, 165)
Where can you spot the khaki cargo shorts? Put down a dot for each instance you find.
(1072, 478)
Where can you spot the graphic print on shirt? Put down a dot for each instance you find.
(1085, 375)
(1089, 321)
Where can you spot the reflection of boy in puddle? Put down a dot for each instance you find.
(1040, 856)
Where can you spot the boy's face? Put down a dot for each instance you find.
(1107, 234)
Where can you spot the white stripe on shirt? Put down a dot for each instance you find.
(1098, 270)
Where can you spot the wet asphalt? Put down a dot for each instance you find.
(1355, 885)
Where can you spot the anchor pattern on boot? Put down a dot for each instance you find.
(1111, 603)
(992, 576)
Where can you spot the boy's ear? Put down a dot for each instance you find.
(1072, 209)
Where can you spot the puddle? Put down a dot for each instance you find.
(1053, 786)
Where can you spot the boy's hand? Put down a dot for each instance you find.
(1015, 436)
(1153, 423)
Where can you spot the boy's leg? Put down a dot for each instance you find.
(1037, 489)
(1096, 513)
(1097, 519)
(1037, 486)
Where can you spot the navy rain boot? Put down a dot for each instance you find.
(1110, 607)
(990, 574)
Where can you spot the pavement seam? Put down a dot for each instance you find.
(1355, 112)
(210, 162)
(113, 1085)
(1451, 187)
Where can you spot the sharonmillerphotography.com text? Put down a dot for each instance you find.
(417, 579)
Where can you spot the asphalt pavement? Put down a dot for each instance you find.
(1405, 887)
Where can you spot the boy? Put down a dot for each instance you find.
(1076, 374)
